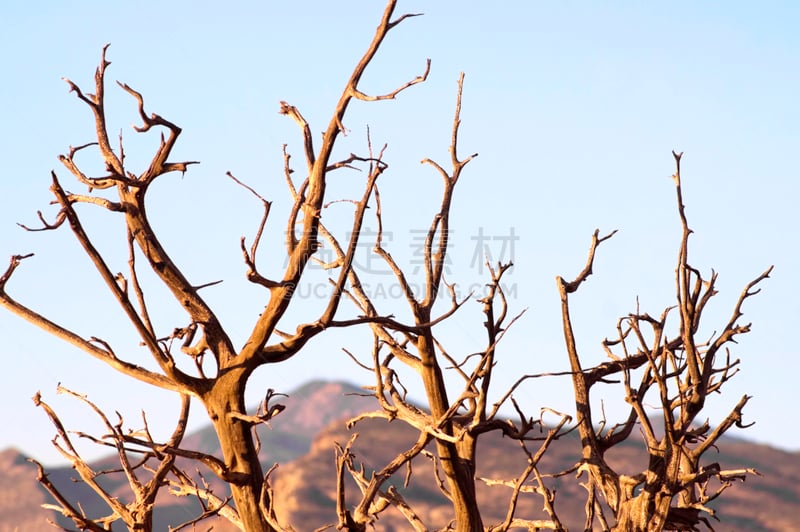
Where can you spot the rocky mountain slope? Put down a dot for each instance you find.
(302, 440)
(306, 485)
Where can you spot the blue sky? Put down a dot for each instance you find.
(573, 107)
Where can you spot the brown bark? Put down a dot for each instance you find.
(681, 372)
(242, 467)
(457, 459)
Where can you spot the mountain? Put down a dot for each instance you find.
(20, 496)
(770, 503)
(302, 440)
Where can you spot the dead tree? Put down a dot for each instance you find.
(198, 358)
(147, 467)
(675, 371)
(451, 425)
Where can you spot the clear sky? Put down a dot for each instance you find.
(574, 108)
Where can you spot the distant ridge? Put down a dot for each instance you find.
(301, 440)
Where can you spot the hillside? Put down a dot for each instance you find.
(302, 440)
(767, 503)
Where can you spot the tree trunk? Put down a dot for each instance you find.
(643, 513)
(632, 516)
(238, 449)
(457, 459)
